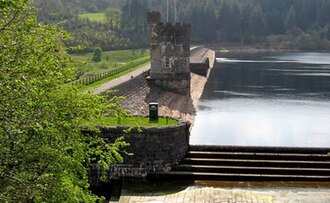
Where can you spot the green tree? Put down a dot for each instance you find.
(113, 16)
(43, 154)
(291, 21)
(305, 42)
(97, 57)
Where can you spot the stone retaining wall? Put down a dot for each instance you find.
(200, 68)
(201, 61)
(154, 148)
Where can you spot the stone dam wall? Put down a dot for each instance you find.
(201, 61)
(157, 149)
(139, 93)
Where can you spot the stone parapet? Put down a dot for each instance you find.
(201, 61)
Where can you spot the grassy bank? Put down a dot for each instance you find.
(134, 121)
(110, 61)
(95, 17)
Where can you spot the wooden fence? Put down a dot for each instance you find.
(94, 78)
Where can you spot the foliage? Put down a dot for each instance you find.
(97, 54)
(134, 23)
(88, 35)
(113, 17)
(44, 155)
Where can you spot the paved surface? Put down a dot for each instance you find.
(234, 195)
(120, 80)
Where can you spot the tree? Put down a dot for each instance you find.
(290, 21)
(43, 154)
(113, 16)
(305, 42)
(97, 54)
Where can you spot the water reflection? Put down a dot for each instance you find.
(282, 101)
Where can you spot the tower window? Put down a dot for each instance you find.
(168, 63)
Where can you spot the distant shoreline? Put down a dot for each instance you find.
(256, 48)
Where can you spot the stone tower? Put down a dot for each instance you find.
(169, 52)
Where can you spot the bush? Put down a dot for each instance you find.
(97, 54)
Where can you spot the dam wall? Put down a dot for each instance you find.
(201, 61)
(139, 93)
(156, 149)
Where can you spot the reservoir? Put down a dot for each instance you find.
(266, 99)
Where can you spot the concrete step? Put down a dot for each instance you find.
(236, 163)
(257, 163)
(288, 150)
(173, 175)
(253, 170)
(258, 155)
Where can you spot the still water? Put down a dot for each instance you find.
(266, 99)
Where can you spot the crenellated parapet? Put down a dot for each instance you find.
(170, 33)
(153, 17)
(178, 28)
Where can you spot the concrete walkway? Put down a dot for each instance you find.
(233, 195)
(113, 83)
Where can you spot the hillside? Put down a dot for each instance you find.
(286, 24)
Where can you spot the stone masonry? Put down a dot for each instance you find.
(155, 149)
(169, 52)
(138, 94)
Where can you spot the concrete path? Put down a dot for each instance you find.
(110, 84)
(234, 195)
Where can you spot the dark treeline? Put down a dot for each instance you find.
(86, 34)
(285, 24)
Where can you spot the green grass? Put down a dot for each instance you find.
(113, 56)
(135, 121)
(96, 17)
(110, 60)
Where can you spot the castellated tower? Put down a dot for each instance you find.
(169, 52)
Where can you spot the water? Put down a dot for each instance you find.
(268, 99)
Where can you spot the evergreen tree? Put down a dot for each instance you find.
(97, 56)
(291, 21)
